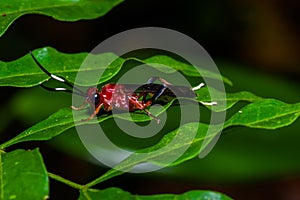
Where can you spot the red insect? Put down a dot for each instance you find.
(114, 96)
(128, 97)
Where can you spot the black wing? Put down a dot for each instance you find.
(160, 93)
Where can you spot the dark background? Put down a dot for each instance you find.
(254, 43)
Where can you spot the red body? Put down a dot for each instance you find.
(116, 96)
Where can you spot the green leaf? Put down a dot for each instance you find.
(25, 73)
(233, 98)
(23, 175)
(266, 114)
(66, 10)
(47, 129)
(63, 120)
(116, 193)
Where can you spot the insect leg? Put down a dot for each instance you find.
(161, 89)
(151, 115)
(140, 106)
(96, 111)
(80, 107)
(158, 93)
(154, 78)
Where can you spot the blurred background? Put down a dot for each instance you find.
(254, 43)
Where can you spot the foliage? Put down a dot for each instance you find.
(27, 167)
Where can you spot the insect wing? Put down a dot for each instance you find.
(167, 92)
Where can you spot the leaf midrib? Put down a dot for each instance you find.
(41, 73)
(265, 119)
(24, 11)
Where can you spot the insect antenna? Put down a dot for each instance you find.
(62, 80)
(61, 89)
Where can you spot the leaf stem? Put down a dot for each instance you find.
(66, 181)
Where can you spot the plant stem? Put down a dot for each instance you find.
(65, 181)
